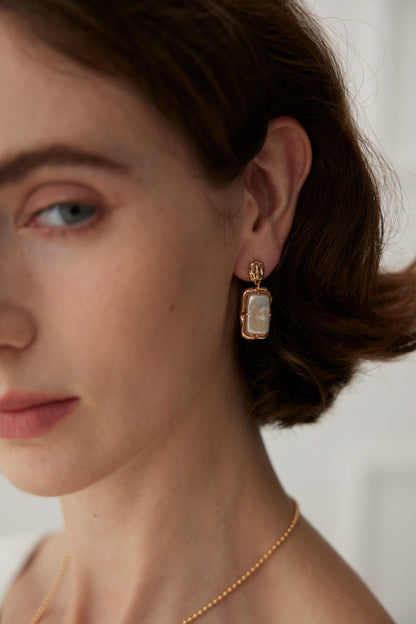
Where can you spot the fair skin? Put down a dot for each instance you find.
(166, 489)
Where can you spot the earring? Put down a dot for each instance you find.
(255, 310)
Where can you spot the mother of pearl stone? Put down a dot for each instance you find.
(258, 314)
(255, 315)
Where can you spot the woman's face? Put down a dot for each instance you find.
(115, 268)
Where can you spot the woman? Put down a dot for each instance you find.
(156, 158)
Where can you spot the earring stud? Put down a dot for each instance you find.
(255, 313)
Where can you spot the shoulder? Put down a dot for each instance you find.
(15, 550)
(313, 585)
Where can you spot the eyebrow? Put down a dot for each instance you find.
(18, 167)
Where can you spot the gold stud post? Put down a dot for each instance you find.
(256, 272)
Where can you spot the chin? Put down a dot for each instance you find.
(38, 484)
(38, 475)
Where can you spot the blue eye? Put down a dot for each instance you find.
(66, 213)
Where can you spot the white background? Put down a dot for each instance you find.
(354, 473)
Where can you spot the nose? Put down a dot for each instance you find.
(17, 329)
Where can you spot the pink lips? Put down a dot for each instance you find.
(30, 415)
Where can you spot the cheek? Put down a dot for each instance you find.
(134, 322)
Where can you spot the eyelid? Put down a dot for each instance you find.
(53, 193)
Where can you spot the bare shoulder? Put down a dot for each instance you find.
(313, 585)
(25, 594)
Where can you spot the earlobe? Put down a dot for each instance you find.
(273, 181)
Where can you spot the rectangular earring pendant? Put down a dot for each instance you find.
(255, 313)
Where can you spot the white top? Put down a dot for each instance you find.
(15, 550)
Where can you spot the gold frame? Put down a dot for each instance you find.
(244, 312)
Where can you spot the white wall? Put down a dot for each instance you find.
(355, 473)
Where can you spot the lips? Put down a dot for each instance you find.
(15, 401)
(30, 415)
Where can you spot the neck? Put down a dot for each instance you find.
(181, 511)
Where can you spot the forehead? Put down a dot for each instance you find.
(47, 98)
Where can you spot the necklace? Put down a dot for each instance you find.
(55, 584)
(51, 592)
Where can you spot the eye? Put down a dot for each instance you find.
(65, 213)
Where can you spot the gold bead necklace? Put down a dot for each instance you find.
(55, 584)
(51, 592)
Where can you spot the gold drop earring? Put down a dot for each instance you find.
(256, 303)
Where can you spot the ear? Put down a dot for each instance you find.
(272, 183)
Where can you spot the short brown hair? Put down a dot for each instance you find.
(219, 71)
